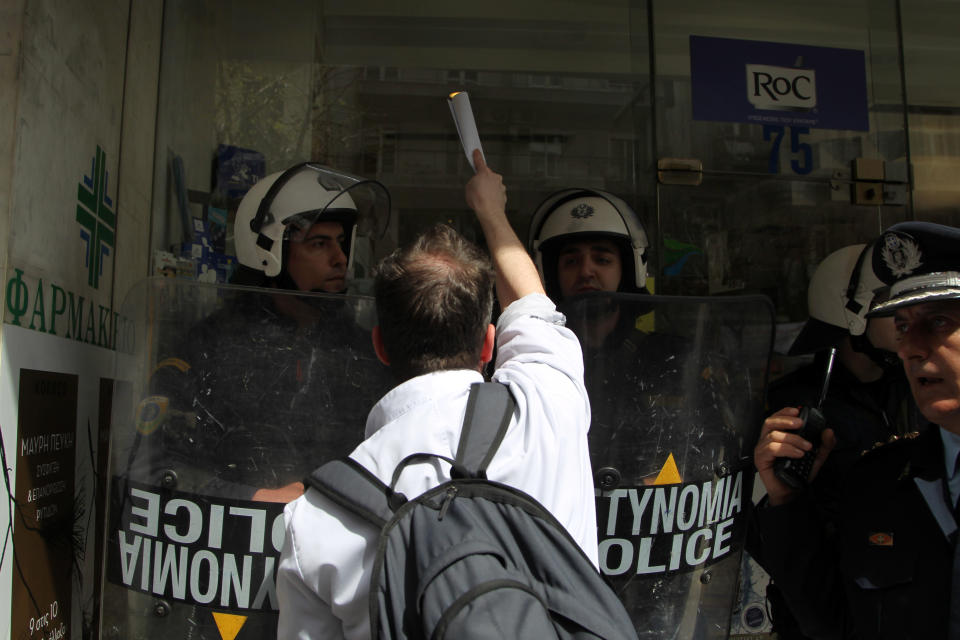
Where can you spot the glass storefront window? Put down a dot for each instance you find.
(569, 93)
(361, 87)
(562, 96)
(931, 54)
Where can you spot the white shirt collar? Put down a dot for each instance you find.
(408, 395)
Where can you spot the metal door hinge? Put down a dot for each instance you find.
(685, 171)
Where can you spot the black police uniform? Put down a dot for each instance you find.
(253, 398)
(861, 415)
(652, 395)
(258, 399)
(649, 393)
(886, 572)
(657, 392)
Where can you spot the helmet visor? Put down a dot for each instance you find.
(316, 193)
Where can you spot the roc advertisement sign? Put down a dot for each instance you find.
(778, 84)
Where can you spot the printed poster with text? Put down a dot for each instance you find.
(44, 518)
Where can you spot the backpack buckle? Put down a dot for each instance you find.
(396, 500)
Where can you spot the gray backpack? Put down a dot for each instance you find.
(473, 558)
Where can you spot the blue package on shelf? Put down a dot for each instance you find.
(238, 169)
(200, 231)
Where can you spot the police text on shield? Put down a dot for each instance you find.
(657, 529)
(217, 552)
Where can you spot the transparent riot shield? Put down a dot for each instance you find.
(233, 395)
(676, 389)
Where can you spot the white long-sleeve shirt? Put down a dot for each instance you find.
(324, 575)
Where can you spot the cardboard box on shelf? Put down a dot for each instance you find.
(164, 264)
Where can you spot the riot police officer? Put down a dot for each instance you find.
(662, 403)
(246, 381)
(587, 245)
(586, 240)
(240, 406)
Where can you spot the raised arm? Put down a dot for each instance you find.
(516, 274)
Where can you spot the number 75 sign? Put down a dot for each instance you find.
(801, 161)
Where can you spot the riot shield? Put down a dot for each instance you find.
(676, 390)
(234, 395)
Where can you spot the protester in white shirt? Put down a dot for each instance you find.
(433, 298)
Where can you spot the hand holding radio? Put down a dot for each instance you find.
(781, 442)
(795, 472)
(794, 444)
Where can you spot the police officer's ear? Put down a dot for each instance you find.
(379, 347)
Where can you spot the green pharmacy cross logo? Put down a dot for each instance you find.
(96, 217)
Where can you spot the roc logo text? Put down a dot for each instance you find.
(781, 88)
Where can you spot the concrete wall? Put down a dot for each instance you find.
(11, 21)
(78, 87)
(137, 144)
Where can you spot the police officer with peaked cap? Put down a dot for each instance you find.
(891, 571)
(868, 398)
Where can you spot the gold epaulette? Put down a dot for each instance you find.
(910, 435)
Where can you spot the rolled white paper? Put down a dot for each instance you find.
(466, 126)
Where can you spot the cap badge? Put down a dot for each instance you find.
(880, 539)
(582, 211)
(900, 254)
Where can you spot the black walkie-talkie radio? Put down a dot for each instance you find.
(795, 471)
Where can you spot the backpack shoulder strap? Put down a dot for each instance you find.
(489, 409)
(350, 485)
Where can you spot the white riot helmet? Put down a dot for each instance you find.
(569, 213)
(299, 197)
(838, 298)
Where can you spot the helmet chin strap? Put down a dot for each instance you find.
(884, 359)
(597, 308)
(284, 281)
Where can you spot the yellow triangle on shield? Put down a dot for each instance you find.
(669, 474)
(229, 624)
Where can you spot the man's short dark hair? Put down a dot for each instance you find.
(434, 303)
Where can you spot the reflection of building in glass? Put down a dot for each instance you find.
(541, 131)
(565, 94)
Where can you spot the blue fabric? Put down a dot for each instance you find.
(951, 449)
